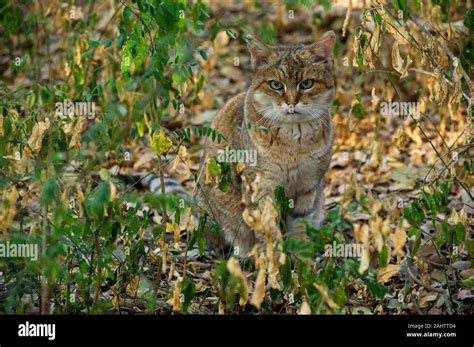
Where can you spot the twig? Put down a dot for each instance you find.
(420, 71)
(427, 286)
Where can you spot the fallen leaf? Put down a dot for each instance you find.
(8, 211)
(325, 295)
(388, 272)
(304, 308)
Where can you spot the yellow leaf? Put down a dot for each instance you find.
(374, 100)
(463, 217)
(221, 307)
(160, 143)
(175, 229)
(37, 135)
(164, 253)
(175, 301)
(132, 286)
(113, 190)
(259, 291)
(239, 167)
(399, 239)
(375, 224)
(171, 272)
(363, 236)
(233, 266)
(453, 218)
(346, 20)
(398, 63)
(272, 261)
(7, 215)
(140, 128)
(221, 40)
(388, 272)
(304, 309)
(325, 295)
(398, 31)
(116, 301)
(76, 134)
(182, 161)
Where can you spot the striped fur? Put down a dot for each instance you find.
(152, 183)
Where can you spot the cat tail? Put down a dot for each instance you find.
(152, 183)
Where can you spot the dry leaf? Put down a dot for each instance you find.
(132, 286)
(181, 162)
(76, 134)
(7, 215)
(364, 239)
(388, 272)
(233, 266)
(325, 295)
(346, 20)
(304, 309)
(175, 301)
(399, 238)
(259, 290)
(37, 135)
(273, 266)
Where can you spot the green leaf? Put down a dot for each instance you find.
(358, 109)
(126, 14)
(377, 17)
(469, 19)
(230, 33)
(30, 100)
(93, 43)
(417, 5)
(401, 5)
(283, 202)
(468, 282)
(417, 243)
(120, 39)
(384, 256)
(188, 289)
(126, 61)
(88, 54)
(104, 174)
(460, 233)
(96, 203)
(49, 192)
(285, 272)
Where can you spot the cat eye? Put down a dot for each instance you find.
(306, 84)
(275, 85)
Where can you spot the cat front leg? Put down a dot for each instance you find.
(309, 206)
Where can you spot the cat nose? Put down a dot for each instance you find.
(291, 106)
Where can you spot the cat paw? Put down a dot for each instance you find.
(297, 226)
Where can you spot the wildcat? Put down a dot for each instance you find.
(285, 117)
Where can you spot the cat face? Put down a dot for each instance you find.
(293, 84)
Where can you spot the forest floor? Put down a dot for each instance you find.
(380, 164)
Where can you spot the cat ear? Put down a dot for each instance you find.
(324, 47)
(259, 51)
